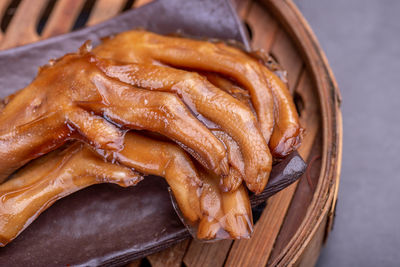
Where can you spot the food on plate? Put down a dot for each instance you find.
(265, 88)
(206, 116)
(225, 214)
(230, 87)
(204, 99)
(287, 133)
(39, 184)
(70, 99)
(235, 177)
(143, 46)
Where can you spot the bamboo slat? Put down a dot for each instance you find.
(261, 39)
(3, 7)
(135, 263)
(285, 52)
(105, 9)
(263, 25)
(22, 28)
(170, 257)
(270, 223)
(303, 196)
(311, 252)
(139, 3)
(207, 254)
(256, 251)
(220, 249)
(242, 7)
(63, 17)
(329, 98)
(296, 220)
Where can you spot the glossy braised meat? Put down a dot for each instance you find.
(235, 178)
(209, 102)
(142, 46)
(39, 184)
(60, 173)
(287, 133)
(266, 89)
(70, 98)
(196, 190)
(225, 214)
(228, 116)
(230, 87)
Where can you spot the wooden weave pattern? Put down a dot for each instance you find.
(26, 21)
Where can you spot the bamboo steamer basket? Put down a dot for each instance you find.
(296, 221)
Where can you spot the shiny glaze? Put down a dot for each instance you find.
(191, 188)
(194, 190)
(287, 134)
(81, 96)
(42, 182)
(36, 187)
(226, 214)
(204, 98)
(230, 87)
(234, 179)
(265, 87)
(142, 46)
(62, 103)
(28, 141)
(165, 159)
(238, 219)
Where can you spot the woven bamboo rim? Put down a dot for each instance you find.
(295, 34)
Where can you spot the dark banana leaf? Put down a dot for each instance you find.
(106, 224)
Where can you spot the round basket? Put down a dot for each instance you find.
(296, 221)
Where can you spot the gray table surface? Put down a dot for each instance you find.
(361, 39)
